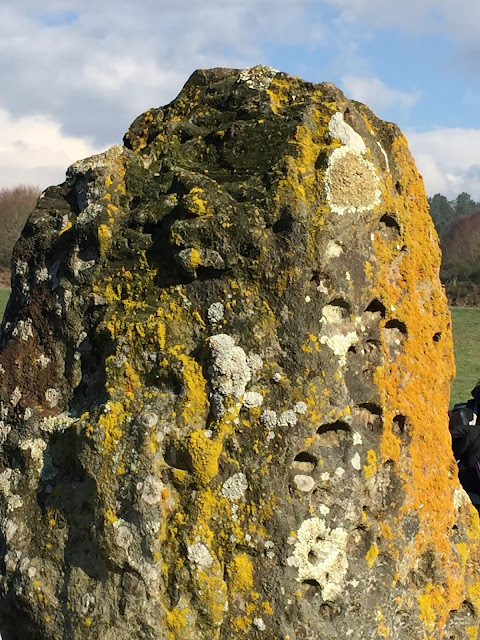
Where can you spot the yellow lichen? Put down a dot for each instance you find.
(372, 555)
(472, 633)
(204, 453)
(370, 468)
(104, 239)
(196, 399)
(241, 573)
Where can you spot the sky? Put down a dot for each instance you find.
(74, 75)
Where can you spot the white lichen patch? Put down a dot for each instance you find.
(23, 329)
(287, 418)
(339, 129)
(78, 265)
(20, 268)
(351, 182)
(42, 275)
(10, 528)
(332, 313)
(304, 483)
(300, 407)
(36, 447)
(15, 397)
(215, 312)
(123, 535)
(269, 419)
(258, 77)
(42, 361)
(98, 161)
(356, 464)
(320, 555)
(252, 399)
(4, 431)
(260, 624)
(199, 555)
(333, 250)
(60, 422)
(229, 371)
(52, 397)
(357, 438)
(234, 487)
(340, 344)
(254, 362)
(151, 490)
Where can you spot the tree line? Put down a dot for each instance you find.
(16, 204)
(457, 223)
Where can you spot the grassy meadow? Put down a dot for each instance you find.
(4, 293)
(466, 337)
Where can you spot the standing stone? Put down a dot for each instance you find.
(225, 371)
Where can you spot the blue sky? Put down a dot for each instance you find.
(75, 74)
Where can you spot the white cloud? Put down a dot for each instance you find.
(73, 72)
(459, 21)
(449, 160)
(376, 94)
(33, 150)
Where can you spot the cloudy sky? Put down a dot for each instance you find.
(74, 75)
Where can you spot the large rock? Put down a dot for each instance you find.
(225, 374)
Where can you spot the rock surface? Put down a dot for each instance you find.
(225, 372)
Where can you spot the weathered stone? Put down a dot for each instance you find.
(225, 371)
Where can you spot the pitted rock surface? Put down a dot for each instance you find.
(225, 371)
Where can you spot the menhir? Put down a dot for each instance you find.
(225, 371)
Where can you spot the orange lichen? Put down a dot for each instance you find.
(405, 383)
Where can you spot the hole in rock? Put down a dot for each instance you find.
(352, 349)
(395, 333)
(304, 456)
(284, 224)
(312, 583)
(341, 303)
(338, 425)
(370, 414)
(177, 458)
(389, 225)
(336, 310)
(399, 423)
(372, 408)
(376, 306)
(313, 557)
(398, 187)
(437, 336)
(209, 273)
(304, 462)
(397, 324)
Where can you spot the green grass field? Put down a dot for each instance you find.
(466, 337)
(4, 293)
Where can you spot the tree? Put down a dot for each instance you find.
(464, 205)
(461, 248)
(441, 211)
(16, 204)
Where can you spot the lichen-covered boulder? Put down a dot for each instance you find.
(225, 371)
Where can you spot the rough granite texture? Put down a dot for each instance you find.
(225, 371)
